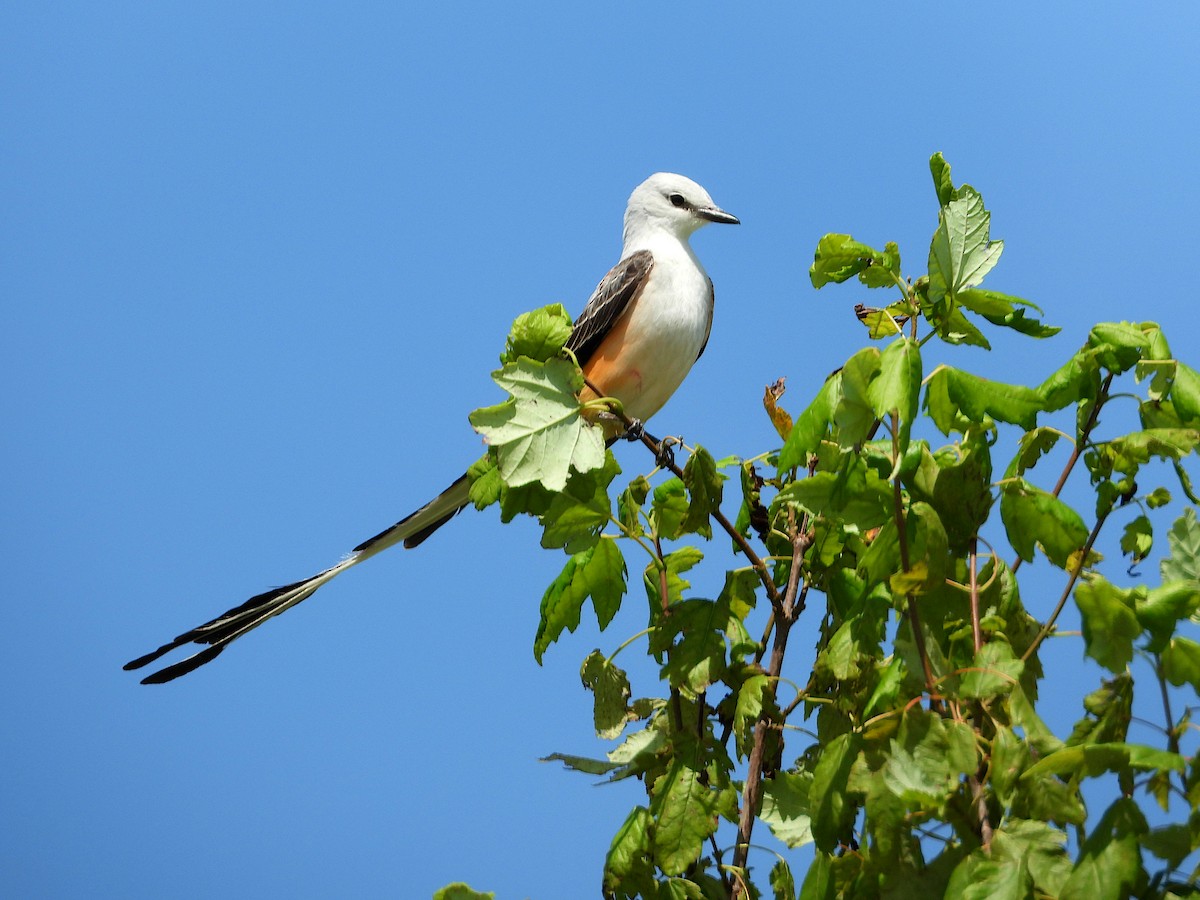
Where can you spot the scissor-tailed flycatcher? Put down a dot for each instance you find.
(639, 335)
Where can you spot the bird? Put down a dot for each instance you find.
(644, 327)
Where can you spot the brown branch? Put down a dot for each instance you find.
(791, 605)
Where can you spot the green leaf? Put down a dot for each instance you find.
(1160, 608)
(1097, 759)
(1118, 345)
(1110, 624)
(669, 509)
(539, 334)
(539, 434)
(785, 807)
(956, 482)
(977, 397)
(629, 506)
(684, 810)
(627, 867)
(783, 883)
(697, 659)
(460, 891)
(961, 252)
(1181, 662)
(599, 573)
(1183, 560)
(704, 484)
(1110, 863)
(880, 323)
(1077, 379)
(898, 385)
(991, 876)
(940, 169)
(954, 328)
(1032, 517)
(855, 497)
(610, 688)
(674, 563)
(834, 812)
(578, 514)
(1185, 392)
(1001, 309)
(1109, 712)
(1137, 539)
(812, 426)
(839, 257)
(995, 671)
(853, 414)
(486, 484)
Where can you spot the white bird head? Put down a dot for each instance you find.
(671, 203)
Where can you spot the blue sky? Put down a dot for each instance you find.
(257, 262)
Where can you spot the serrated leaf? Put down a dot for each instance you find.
(704, 484)
(785, 807)
(599, 573)
(978, 397)
(684, 810)
(853, 414)
(995, 671)
(1109, 862)
(696, 659)
(1110, 624)
(1109, 712)
(855, 497)
(1160, 609)
(539, 434)
(839, 257)
(940, 169)
(834, 811)
(576, 515)
(1137, 539)
(1032, 517)
(610, 689)
(1185, 392)
(961, 252)
(627, 866)
(1181, 662)
(1183, 560)
(897, 388)
(539, 334)
(669, 509)
(812, 425)
(486, 484)
(1118, 346)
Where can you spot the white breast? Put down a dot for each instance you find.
(668, 327)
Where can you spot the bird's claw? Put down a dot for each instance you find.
(665, 458)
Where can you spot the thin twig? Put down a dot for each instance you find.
(976, 631)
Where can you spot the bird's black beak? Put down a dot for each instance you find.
(713, 214)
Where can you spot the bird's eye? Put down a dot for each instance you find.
(677, 201)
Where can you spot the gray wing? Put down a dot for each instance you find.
(611, 298)
(712, 303)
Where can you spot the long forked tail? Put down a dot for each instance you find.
(231, 625)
